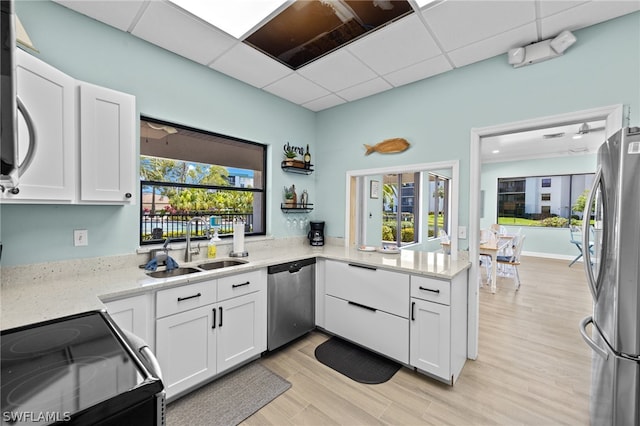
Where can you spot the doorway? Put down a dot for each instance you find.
(613, 116)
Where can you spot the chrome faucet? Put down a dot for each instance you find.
(189, 251)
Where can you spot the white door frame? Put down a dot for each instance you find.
(613, 115)
(455, 192)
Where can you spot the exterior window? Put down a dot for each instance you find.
(521, 203)
(186, 172)
(402, 222)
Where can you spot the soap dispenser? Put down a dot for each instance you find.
(212, 249)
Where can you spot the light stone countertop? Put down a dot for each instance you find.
(40, 292)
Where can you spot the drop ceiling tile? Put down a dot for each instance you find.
(493, 46)
(170, 27)
(365, 89)
(117, 13)
(548, 8)
(324, 103)
(337, 71)
(459, 23)
(249, 65)
(585, 15)
(296, 89)
(419, 71)
(403, 43)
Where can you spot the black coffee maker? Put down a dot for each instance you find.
(316, 234)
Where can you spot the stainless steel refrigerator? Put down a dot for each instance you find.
(613, 275)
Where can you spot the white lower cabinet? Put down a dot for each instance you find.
(186, 348)
(134, 315)
(197, 340)
(430, 337)
(377, 330)
(438, 326)
(368, 306)
(240, 334)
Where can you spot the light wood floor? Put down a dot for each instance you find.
(532, 369)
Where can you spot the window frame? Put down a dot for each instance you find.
(263, 190)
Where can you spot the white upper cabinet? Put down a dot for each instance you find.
(47, 141)
(107, 149)
(76, 140)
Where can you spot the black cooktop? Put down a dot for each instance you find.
(52, 370)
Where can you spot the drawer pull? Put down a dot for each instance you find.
(355, 265)
(240, 285)
(363, 306)
(429, 289)
(214, 318)
(180, 299)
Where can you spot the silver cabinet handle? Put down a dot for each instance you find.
(583, 331)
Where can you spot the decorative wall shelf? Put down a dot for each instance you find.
(296, 208)
(295, 169)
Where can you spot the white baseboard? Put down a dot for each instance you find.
(551, 256)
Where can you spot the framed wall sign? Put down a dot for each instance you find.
(374, 189)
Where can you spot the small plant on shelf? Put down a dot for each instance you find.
(290, 196)
(289, 156)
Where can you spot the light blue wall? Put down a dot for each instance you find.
(167, 87)
(435, 115)
(548, 241)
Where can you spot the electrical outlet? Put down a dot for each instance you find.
(462, 232)
(80, 237)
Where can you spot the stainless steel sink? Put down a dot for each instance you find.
(173, 273)
(217, 264)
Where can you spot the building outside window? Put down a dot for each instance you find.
(187, 172)
(522, 201)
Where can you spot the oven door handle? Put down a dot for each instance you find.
(145, 351)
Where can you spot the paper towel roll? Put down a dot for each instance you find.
(238, 237)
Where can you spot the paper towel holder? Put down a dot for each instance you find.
(238, 238)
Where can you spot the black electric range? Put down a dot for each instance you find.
(78, 370)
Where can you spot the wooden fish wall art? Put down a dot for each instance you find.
(388, 146)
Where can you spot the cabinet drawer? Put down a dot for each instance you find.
(377, 288)
(179, 299)
(425, 288)
(237, 285)
(374, 329)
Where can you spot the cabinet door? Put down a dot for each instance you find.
(48, 96)
(430, 331)
(242, 331)
(133, 314)
(186, 348)
(107, 145)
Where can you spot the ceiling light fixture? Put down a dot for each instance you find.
(541, 51)
(236, 18)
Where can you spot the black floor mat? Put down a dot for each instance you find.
(355, 362)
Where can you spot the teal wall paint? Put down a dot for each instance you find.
(435, 115)
(550, 241)
(167, 87)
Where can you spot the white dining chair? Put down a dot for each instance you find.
(512, 262)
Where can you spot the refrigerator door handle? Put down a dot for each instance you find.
(586, 253)
(583, 331)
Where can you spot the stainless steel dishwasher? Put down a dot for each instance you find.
(291, 295)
